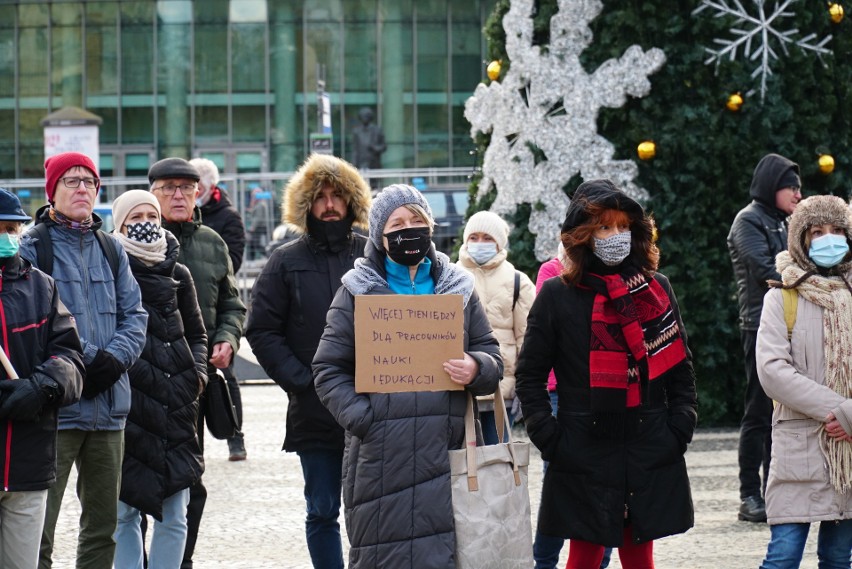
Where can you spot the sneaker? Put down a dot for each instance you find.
(752, 509)
(237, 448)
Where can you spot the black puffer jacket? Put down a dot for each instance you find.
(41, 340)
(592, 476)
(758, 234)
(220, 215)
(161, 453)
(396, 469)
(289, 303)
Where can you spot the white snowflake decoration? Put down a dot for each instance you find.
(548, 101)
(756, 35)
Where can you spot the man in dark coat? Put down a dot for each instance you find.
(758, 234)
(324, 199)
(219, 214)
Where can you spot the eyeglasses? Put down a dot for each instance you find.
(169, 190)
(90, 183)
(794, 189)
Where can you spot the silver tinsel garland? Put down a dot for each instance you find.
(548, 101)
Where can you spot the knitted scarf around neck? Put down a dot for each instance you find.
(829, 293)
(148, 253)
(65, 221)
(635, 338)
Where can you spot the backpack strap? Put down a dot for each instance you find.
(44, 249)
(517, 291)
(43, 246)
(791, 303)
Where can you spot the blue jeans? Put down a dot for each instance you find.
(787, 544)
(489, 427)
(167, 541)
(323, 470)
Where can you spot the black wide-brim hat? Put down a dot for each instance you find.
(602, 193)
(10, 207)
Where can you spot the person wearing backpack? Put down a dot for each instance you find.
(803, 365)
(93, 277)
(506, 295)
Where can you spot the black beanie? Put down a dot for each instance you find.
(789, 179)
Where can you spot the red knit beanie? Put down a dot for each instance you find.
(56, 166)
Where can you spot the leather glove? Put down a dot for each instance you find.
(101, 374)
(23, 400)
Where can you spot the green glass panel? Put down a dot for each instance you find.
(106, 166)
(137, 125)
(248, 67)
(66, 14)
(7, 17)
(7, 62)
(210, 12)
(360, 10)
(137, 162)
(211, 123)
(101, 60)
(249, 124)
(101, 13)
(435, 10)
(245, 11)
(137, 58)
(467, 57)
(32, 62)
(360, 58)
(248, 162)
(137, 12)
(217, 158)
(33, 15)
(211, 55)
(31, 161)
(431, 57)
(108, 130)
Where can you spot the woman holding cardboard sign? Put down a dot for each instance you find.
(396, 478)
(610, 328)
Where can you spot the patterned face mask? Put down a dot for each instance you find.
(614, 249)
(145, 232)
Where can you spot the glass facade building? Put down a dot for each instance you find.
(236, 80)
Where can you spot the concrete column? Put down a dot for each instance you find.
(392, 82)
(282, 68)
(173, 75)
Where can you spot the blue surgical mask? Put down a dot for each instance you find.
(828, 250)
(482, 252)
(8, 244)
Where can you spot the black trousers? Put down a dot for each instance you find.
(756, 425)
(195, 508)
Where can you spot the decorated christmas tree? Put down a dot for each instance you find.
(676, 101)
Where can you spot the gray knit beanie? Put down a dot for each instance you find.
(386, 202)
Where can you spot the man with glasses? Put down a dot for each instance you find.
(93, 277)
(174, 182)
(758, 234)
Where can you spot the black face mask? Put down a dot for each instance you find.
(408, 246)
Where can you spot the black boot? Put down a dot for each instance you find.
(752, 509)
(237, 448)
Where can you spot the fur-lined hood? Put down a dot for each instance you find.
(317, 171)
(818, 210)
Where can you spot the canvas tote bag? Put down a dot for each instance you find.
(491, 501)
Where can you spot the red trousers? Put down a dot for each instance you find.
(585, 555)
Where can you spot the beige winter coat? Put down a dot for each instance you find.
(792, 373)
(495, 286)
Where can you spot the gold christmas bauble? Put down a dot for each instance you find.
(836, 12)
(646, 150)
(493, 70)
(826, 163)
(735, 101)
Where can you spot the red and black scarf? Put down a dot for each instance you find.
(635, 339)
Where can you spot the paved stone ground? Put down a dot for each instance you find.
(255, 509)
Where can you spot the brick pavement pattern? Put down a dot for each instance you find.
(255, 509)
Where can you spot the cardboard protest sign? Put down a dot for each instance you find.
(402, 341)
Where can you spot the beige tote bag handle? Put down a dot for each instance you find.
(501, 420)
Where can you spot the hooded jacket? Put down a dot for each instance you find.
(108, 314)
(161, 453)
(758, 234)
(40, 338)
(220, 215)
(293, 292)
(793, 373)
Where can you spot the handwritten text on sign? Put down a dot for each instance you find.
(402, 341)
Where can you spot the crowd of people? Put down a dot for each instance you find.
(109, 342)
